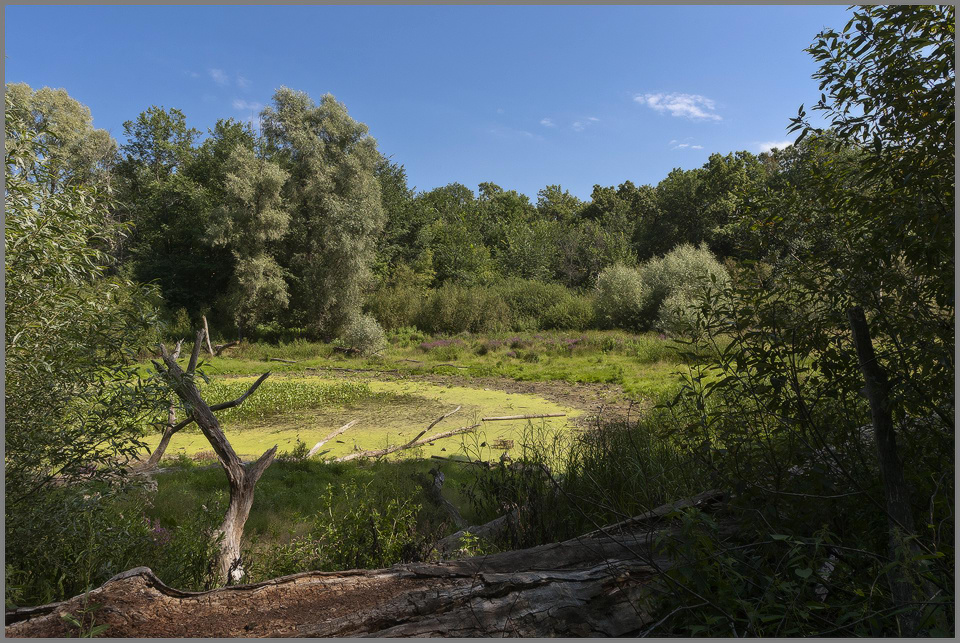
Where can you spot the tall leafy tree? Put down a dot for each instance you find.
(334, 203)
(168, 203)
(75, 153)
(73, 403)
(250, 221)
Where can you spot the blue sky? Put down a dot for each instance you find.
(523, 96)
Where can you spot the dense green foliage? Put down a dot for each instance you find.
(72, 330)
(753, 265)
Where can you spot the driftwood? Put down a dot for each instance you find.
(587, 586)
(339, 431)
(452, 365)
(523, 417)
(241, 478)
(350, 370)
(285, 361)
(492, 531)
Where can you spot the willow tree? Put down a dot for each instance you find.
(333, 198)
(75, 152)
(249, 221)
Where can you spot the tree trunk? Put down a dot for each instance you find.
(241, 479)
(903, 577)
(599, 584)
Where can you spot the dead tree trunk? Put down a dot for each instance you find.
(172, 428)
(598, 584)
(904, 577)
(241, 479)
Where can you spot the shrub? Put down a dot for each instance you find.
(364, 334)
(527, 298)
(395, 306)
(453, 309)
(180, 327)
(680, 276)
(575, 312)
(405, 336)
(621, 298)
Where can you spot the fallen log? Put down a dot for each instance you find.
(523, 417)
(587, 586)
(285, 361)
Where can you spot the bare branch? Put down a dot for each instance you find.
(441, 418)
(319, 444)
(206, 333)
(523, 417)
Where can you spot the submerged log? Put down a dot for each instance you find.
(599, 584)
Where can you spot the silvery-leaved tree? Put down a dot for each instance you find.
(333, 199)
(251, 221)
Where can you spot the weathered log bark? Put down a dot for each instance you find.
(599, 584)
(904, 578)
(241, 478)
(339, 431)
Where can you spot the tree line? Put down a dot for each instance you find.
(299, 223)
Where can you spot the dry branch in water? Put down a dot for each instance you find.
(523, 417)
(319, 444)
(377, 453)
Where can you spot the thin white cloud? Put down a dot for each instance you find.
(583, 123)
(243, 82)
(692, 106)
(239, 103)
(768, 146)
(509, 132)
(219, 76)
(499, 110)
(547, 122)
(686, 145)
(191, 74)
